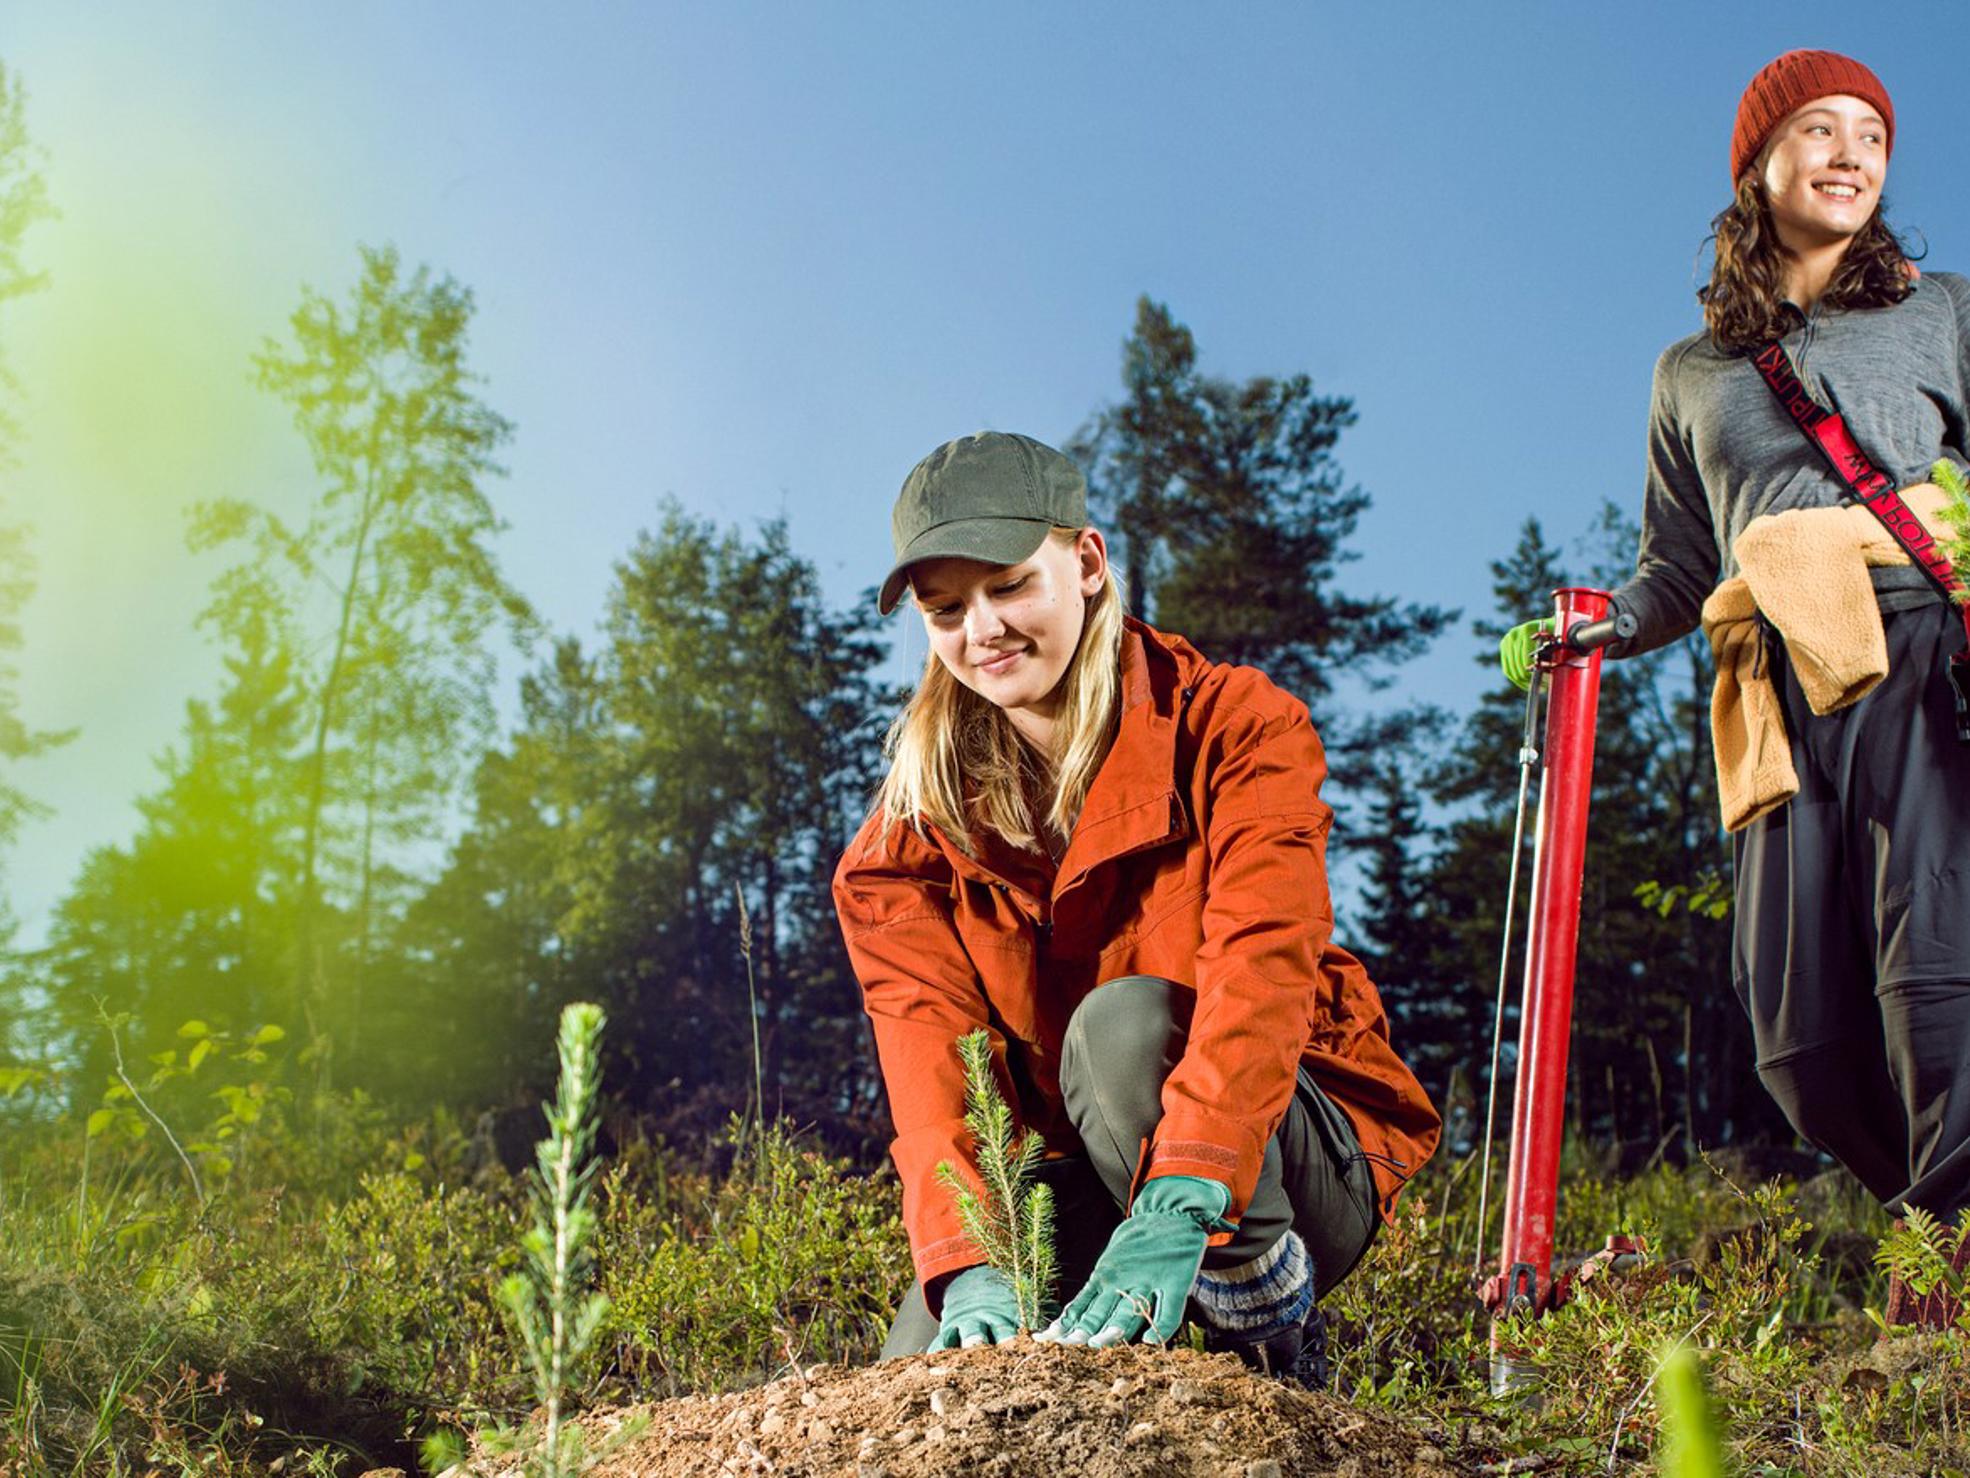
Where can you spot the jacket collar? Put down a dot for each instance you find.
(1134, 801)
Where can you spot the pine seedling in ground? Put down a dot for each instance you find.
(1011, 1223)
(554, 1314)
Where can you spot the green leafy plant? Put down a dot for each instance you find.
(1692, 1446)
(786, 1258)
(1921, 1251)
(1009, 1216)
(1956, 514)
(1710, 896)
(553, 1317)
(128, 1110)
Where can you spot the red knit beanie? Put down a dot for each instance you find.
(1787, 85)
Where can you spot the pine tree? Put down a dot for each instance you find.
(1007, 1215)
(1232, 516)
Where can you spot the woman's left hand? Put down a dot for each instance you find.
(1141, 1280)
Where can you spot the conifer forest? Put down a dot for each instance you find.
(278, 1193)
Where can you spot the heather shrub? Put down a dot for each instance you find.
(791, 1257)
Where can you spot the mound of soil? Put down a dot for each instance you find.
(1018, 1410)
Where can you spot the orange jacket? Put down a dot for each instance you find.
(1199, 856)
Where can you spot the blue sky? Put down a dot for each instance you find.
(762, 258)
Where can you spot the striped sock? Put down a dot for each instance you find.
(1270, 1293)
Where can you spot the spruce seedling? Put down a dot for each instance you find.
(1949, 477)
(554, 1319)
(1012, 1222)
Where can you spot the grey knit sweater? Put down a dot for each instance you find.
(1721, 450)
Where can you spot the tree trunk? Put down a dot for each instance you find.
(311, 985)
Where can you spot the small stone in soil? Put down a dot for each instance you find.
(1264, 1467)
(1188, 1392)
(904, 1436)
(933, 1434)
(1121, 1386)
(772, 1422)
(808, 1398)
(942, 1400)
(1141, 1432)
(818, 1430)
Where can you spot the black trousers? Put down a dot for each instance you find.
(1852, 937)
(1121, 1043)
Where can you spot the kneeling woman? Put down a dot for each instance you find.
(1109, 852)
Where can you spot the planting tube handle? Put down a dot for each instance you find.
(1591, 636)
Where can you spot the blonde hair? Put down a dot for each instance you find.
(955, 760)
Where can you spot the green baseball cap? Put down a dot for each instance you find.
(992, 497)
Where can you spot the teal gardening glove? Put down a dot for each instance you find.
(1516, 648)
(1141, 1280)
(979, 1309)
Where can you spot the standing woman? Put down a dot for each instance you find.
(1109, 852)
(1852, 928)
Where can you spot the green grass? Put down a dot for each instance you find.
(335, 1305)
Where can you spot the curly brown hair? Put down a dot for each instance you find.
(1744, 305)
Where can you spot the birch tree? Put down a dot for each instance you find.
(395, 585)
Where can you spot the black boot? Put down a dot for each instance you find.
(1297, 1355)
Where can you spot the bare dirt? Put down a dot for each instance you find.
(1019, 1410)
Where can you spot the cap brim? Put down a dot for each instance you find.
(992, 541)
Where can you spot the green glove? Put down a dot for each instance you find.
(1142, 1278)
(1515, 651)
(979, 1309)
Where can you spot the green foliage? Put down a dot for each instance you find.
(1660, 1046)
(338, 1328)
(1007, 1216)
(716, 1282)
(24, 204)
(1692, 1446)
(395, 675)
(412, 1266)
(554, 1318)
(1921, 1251)
(1956, 515)
(1709, 897)
(240, 1078)
(1792, 1367)
(725, 732)
(1231, 516)
(280, 1320)
(1404, 1326)
(192, 917)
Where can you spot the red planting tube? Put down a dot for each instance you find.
(1525, 1264)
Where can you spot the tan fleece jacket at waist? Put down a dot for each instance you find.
(1806, 570)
